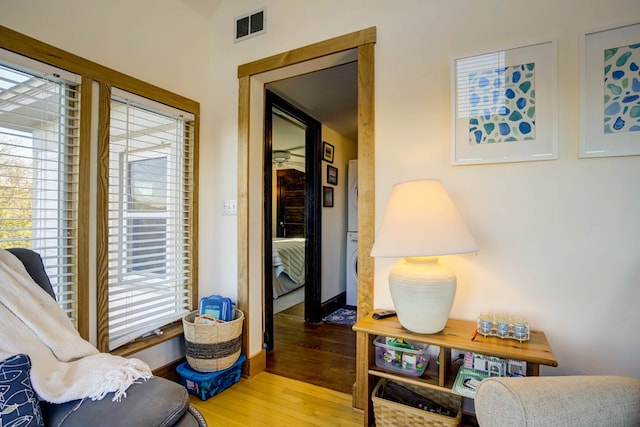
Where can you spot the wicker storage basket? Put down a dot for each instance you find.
(395, 414)
(212, 347)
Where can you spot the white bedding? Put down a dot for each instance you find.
(288, 265)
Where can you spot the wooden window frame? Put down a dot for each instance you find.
(91, 73)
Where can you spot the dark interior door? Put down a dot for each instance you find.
(290, 209)
(311, 217)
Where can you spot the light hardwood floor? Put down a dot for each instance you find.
(271, 400)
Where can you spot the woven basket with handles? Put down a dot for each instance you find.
(212, 347)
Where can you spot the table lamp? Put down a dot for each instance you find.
(421, 223)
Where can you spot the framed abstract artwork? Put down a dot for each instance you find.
(504, 105)
(332, 175)
(611, 92)
(327, 197)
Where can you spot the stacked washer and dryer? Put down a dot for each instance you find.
(352, 234)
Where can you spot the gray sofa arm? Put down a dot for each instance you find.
(562, 401)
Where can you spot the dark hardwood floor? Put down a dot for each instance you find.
(316, 353)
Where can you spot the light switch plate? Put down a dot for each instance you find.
(229, 207)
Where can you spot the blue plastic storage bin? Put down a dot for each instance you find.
(208, 384)
(217, 306)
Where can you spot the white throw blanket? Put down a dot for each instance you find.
(65, 367)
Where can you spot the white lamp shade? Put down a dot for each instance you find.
(421, 220)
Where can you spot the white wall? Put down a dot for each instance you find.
(164, 42)
(334, 220)
(558, 240)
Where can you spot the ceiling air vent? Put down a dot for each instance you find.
(250, 25)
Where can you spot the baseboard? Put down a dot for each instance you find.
(169, 371)
(255, 364)
(331, 305)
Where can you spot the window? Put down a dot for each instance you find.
(149, 217)
(134, 251)
(39, 157)
(147, 205)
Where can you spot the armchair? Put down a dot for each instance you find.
(156, 402)
(558, 401)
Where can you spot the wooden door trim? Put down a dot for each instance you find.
(306, 53)
(364, 41)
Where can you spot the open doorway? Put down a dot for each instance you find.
(291, 212)
(252, 77)
(295, 335)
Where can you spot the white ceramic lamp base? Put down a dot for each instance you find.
(422, 292)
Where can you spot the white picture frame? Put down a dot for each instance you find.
(515, 111)
(608, 126)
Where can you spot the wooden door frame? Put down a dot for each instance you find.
(364, 41)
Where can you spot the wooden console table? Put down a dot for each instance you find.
(456, 335)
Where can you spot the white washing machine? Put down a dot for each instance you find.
(352, 268)
(352, 195)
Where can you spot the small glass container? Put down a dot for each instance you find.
(485, 323)
(502, 325)
(520, 327)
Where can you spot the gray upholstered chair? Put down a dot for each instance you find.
(566, 401)
(156, 402)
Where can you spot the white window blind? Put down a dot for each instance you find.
(39, 156)
(150, 223)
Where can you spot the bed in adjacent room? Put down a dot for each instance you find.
(288, 265)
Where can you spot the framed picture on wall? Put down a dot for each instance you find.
(611, 92)
(504, 105)
(327, 197)
(332, 175)
(327, 152)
